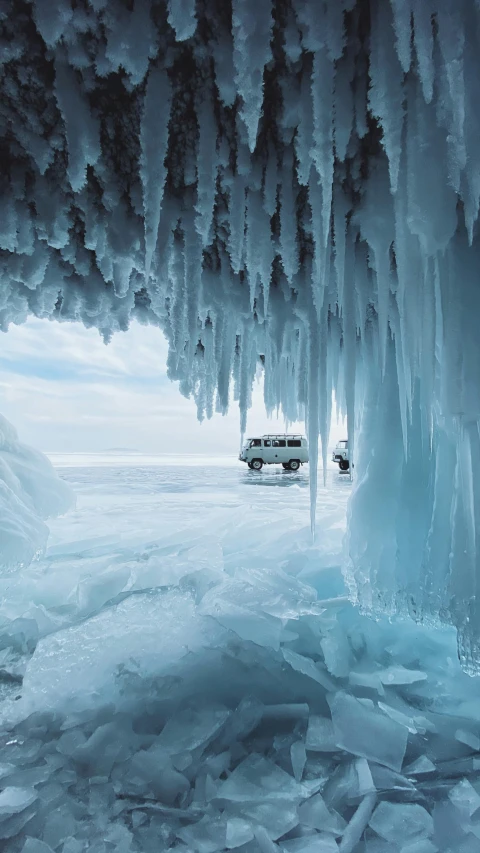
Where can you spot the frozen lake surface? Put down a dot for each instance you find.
(182, 669)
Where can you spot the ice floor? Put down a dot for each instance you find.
(183, 670)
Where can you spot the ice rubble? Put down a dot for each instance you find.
(296, 182)
(145, 723)
(30, 491)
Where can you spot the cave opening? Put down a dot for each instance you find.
(293, 187)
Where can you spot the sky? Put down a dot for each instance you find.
(66, 391)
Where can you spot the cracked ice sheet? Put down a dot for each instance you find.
(140, 676)
(148, 634)
(225, 534)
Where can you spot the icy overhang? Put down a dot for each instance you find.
(297, 181)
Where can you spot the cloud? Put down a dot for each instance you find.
(57, 350)
(66, 391)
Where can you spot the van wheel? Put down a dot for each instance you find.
(344, 464)
(286, 465)
(249, 464)
(294, 464)
(256, 464)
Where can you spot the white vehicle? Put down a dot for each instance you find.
(291, 451)
(340, 455)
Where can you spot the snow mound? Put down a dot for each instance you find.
(30, 491)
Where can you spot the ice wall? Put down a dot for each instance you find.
(293, 181)
(30, 491)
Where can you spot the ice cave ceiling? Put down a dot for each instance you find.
(285, 180)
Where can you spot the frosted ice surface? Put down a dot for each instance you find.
(14, 800)
(369, 680)
(321, 736)
(465, 797)
(6, 769)
(314, 813)
(307, 667)
(422, 845)
(321, 842)
(298, 757)
(264, 842)
(35, 845)
(191, 729)
(206, 836)
(468, 738)
(257, 778)
(420, 765)
(238, 832)
(147, 634)
(395, 675)
(394, 821)
(261, 629)
(337, 653)
(277, 817)
(365, 780)
(357, 824)
(409, 722)
(366, 732)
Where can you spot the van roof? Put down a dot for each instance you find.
(276, 435)
(283, 435)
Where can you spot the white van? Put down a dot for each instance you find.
(340, 455)
(291, 451)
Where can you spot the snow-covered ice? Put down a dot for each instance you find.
(164, 681)
(30, 492)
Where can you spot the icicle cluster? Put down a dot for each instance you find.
(286, 180)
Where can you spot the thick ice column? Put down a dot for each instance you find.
(374, 505)
(414, 516)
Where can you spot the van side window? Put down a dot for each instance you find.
(294, 442)
(279, 443)
(256, 442)
(267, 443)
